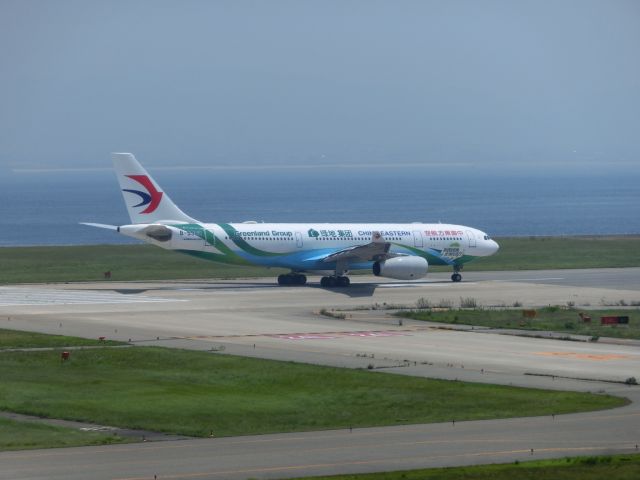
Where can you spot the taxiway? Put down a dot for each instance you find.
(258, 318)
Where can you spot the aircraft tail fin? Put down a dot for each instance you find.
(145, 201)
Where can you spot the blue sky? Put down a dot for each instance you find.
(526, 84)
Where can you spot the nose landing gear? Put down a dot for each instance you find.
(456, 277)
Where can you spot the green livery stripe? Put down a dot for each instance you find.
(208, 237)
(464, 259)
(241, 243)
(217, 257)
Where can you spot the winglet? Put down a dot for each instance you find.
(377, 237)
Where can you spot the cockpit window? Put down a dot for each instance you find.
(487, 237)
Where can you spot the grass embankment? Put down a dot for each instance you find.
(27, 435)
(22, 435)
(194, 393)
(556, 319)
(616, 467)
(18, 339)
(145, 262)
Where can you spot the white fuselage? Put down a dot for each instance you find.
(303, 246)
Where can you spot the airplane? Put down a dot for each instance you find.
(401, 251)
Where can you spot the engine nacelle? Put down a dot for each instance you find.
(159, 233)
(401, 268)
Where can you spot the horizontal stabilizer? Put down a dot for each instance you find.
(100, 225)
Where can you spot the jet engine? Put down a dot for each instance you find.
(157, 232)
(401, 268)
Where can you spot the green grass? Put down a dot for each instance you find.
(19, 339)
(615, 467)
(555, 319)
(27, 435)
(193, 393)
(145, 262)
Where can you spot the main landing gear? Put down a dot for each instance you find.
(456, 277)
(292, 279)
(339, 278)
(335, 281)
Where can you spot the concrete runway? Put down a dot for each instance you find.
(258, 318)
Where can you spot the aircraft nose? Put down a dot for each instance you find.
(494, 247)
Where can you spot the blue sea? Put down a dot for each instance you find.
(44, 208)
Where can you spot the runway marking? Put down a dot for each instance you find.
(584, 356)
(26, 296)
(309, 335)
(423, 284)
(334, 335)
(529, 279)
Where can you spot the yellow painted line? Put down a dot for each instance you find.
(314, 435)
(584, 356)
(155, 446)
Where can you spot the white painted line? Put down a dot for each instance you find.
(336, 335)
(529, 279)
(18, 296)
(439, 284)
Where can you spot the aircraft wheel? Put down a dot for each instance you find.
(456, 277)
(328, 282)
(292, 279)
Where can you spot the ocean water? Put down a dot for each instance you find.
(44, 208)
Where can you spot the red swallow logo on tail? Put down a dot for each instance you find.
(151, 198)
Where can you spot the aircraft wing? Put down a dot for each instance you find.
(378, 249)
